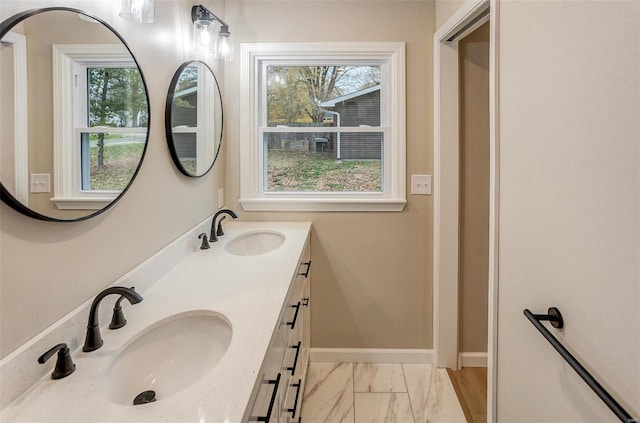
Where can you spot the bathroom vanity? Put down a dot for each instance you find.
(245, 302)
(277, 395)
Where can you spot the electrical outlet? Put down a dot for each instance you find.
(421, 184)
(40, 182)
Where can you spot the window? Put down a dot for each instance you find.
(323, 127)
(102, 112)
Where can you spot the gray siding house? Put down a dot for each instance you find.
(356, 109)
(185, 113)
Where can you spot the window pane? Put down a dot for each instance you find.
(110, 160)
(116, 98)
(334, 96)
(186, 146)
(321, 162)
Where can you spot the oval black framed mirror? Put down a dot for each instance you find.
(193, 118)
(75, 114)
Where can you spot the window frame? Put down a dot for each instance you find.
(69, 107)
(254, 57)
(19, 183)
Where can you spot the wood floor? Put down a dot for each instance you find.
(470, 384)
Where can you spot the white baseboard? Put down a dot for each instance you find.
(372, 355)
(472, 359)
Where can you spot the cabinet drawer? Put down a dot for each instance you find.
(292, 316)
(293, 358)
(265, 408)
(293, 401)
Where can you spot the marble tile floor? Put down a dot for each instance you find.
(377, 393)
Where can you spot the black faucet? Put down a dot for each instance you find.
(118, 320)
(64, 364)
(218, 232)
(93, 341)
(205, 244)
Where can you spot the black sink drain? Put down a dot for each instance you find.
(144, 397)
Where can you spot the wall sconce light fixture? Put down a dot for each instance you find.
(142, 11)
(205, 39)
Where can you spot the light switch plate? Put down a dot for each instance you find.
(40, 182)
(421, 184)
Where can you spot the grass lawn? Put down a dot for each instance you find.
(305, 171)
(120, 163)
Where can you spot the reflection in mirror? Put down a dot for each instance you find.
(75, 114)
(193, 118)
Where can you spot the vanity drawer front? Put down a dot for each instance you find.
(268, 398)
(292, 316)
(292, 363)
(266, 406)
(293, 402)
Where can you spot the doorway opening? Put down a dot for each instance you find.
(470, 377)
(465, 193)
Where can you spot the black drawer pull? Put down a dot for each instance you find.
(295, 360)
(295, 404)
(271, 403)
(295, 316)
(306, 273)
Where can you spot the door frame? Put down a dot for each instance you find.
(446, 188)
(21, 113)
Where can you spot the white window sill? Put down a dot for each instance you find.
(323, 204)
(82, 203)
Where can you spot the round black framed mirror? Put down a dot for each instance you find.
(193, 118)
(75, 114)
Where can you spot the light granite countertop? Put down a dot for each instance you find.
(248, 290)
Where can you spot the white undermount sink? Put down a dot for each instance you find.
(255, 243)
(168, 356)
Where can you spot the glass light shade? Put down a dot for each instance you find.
(142, 11)
(224, 46)
(203, 36)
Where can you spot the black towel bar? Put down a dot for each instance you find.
(553, 315)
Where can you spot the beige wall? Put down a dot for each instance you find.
(569, 205)
(474, 190)
(446, 8)
(372, 284)
(47, 269)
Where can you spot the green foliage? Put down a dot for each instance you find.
(117, 97)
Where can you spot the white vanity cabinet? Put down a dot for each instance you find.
(277, 394)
